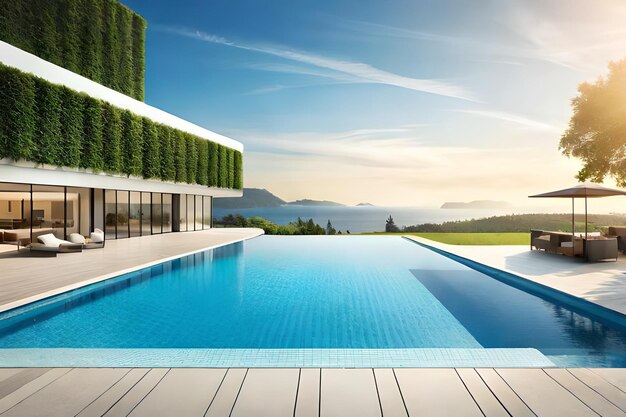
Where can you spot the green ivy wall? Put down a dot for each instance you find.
(51, 124)
(102, 40)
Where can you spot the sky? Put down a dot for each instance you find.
(395, 103)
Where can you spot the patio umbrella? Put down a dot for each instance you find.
(586, 190)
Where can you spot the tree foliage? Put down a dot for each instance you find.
(597, 129)
(390, 226)
(51, 124)
(99, 39)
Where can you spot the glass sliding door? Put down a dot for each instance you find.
(167, 213)
(198, 222)
(134, 214)
(191, 212)
(122, 214)
(156, 213)
(146, 214)
(48, 211)
(15, 209)
(183, 213)
(78, 211)
(110, 213)
(98, 209)
(206, 223)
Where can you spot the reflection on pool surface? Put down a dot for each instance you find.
(313, 292)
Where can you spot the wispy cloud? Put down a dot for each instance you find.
(357, 71)
(512, 118)
(403, 169)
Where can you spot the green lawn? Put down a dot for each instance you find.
(472, 238)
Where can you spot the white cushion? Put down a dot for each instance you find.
(77, 238)
(51, 240)
(97, 236)
(567, 244)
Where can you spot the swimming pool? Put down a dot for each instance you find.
(355, 293)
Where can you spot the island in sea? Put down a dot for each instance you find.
(262, 198)
(477, 204)
(316, 203)
(365, 205)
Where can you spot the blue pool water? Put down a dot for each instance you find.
(274, 292)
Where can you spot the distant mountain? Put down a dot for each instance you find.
(365, 205)
(317, 203)
(478, 204)
(252, 198)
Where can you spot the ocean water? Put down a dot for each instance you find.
(368, 219)
(313, 292)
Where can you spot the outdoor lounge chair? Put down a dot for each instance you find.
(50, 243)
(620, 233)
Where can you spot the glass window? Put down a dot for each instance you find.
(207, 212)
(134, 214)
(110, 213)
(48, 213)
(183, 213)
(146, 214)
(190, 212)
(77, 211)
(156, 213)
(98, 209)
(15, 209)
(198, 212)
(167, 213)
(122, 214)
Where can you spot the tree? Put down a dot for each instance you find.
(390, 226)
(597, 129)
(330, 230)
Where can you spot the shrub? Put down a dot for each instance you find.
(151, 148)
(47, 40)
(92, 152)
(48, 130)
(213, 164)
(181, 158)
(202, 170)
(192, 158)
(168, 165)
(124, 52)
(132, 144)
(17, 114)
(110, 64)
(113, 130)
(139, 59)
(71, 129)
(223, 166)
(91, 47)
(238, 171)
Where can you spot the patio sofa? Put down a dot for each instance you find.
(555, 242)
(620, 233)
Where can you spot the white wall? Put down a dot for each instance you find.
(27, 173)
(17, 58)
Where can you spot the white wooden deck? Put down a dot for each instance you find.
(26, 278)
(297, 392)
(603, 283)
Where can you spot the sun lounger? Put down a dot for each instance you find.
(50, 243)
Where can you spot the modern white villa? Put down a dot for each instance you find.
(76, 155)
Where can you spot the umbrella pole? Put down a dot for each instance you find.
(573, 224)
(585, 214)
